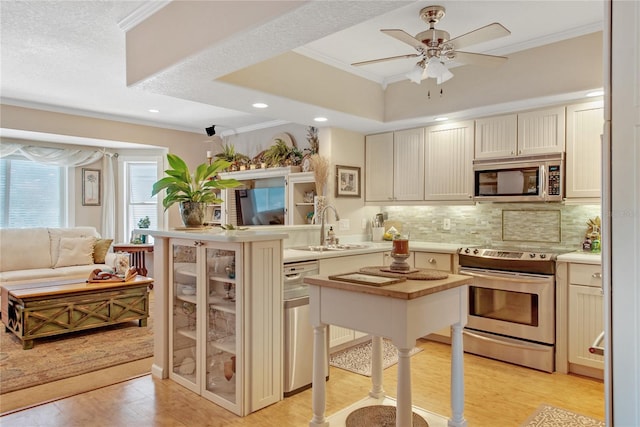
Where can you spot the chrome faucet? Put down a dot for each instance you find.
(322, 216)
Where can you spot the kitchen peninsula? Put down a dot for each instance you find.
(402, 312)
(218, 314)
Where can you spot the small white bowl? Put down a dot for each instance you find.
(188, 290)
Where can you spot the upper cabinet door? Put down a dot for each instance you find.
(379, 167)
(496, 137)
(541, 132)
(408, 155)
(449, 161)
(584, 169)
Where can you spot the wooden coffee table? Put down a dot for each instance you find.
(46, 308)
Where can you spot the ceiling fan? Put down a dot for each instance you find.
(435, 48)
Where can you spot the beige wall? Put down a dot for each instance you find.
(192, 147)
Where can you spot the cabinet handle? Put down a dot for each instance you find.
(432, 260)
(597, 275)
(198, 243)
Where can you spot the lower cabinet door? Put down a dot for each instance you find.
(585, 324)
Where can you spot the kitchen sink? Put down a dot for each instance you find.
(325, 248)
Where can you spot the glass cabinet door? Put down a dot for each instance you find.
(184, 325)
(222, 359)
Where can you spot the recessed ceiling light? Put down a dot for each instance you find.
(260, 105)
(595, 93)
(320, 119)
(441, 119)
(153, 110)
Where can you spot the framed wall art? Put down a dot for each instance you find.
(91, 187)
(347, 181)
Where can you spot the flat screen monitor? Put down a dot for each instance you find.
(260, 206)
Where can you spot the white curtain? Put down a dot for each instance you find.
(109, 198)
(74, 158)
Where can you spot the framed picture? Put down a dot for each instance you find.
(347, 181)
(217, 214)
(91, 187)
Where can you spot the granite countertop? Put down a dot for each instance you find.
(295, 255)
(407, 290)
(580, 257)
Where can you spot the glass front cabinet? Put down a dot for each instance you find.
(209, 333)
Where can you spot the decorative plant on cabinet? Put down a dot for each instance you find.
(192, 191)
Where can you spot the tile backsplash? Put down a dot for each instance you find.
(544, 226)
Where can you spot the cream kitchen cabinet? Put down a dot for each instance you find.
(583, 159)
(496, 137)
(346, 264)
(223, 317)
(449, 161)
(523, 134)
(434, 261)
(586, 318)
(579, 318)
(395, 166)
(541, 131)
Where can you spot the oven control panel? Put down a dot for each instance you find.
(506, 254)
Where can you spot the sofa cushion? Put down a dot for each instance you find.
(56, 234)
(77, 271)
(24, 248)
(75, 251)
(100, 250)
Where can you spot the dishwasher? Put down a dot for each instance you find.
(298, 333)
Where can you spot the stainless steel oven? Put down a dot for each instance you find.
(511, 313)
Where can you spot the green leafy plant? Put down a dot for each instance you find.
(277, 153)
(230, 155)
(144, 222)
(182, 186)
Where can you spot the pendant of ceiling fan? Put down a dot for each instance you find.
(437, 43)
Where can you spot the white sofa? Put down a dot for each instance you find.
(56, 253)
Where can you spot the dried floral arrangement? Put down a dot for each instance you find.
(320, 172)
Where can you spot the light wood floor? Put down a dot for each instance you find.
(496, 394)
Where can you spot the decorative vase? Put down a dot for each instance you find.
(192, 213)
(319, 203)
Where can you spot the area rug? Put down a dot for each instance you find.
(65, 356)
(552, 416)
(358, 358)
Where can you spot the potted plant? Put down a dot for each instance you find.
(230, 155)
(144, 223)
(192, 191)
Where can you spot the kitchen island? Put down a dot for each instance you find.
(402, 312)
(218, 315)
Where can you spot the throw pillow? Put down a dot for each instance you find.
(100, 250)
(75, 251)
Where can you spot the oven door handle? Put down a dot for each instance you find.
(504, 343)
(505, 278)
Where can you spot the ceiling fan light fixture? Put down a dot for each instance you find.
(417, 73)
(437, 70)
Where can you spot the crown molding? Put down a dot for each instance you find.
(141, 13)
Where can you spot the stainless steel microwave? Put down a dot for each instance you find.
(525, 179)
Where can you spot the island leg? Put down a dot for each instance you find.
(404, 413)
(318, 391)
(376, 368)
(457, 378)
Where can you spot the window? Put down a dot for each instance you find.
(139, 177)
(32, 194)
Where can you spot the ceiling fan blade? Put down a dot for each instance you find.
(483, 34)
(373, 61)
(405, 37)
(477, 58)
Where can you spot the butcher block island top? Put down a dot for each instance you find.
(407, 290)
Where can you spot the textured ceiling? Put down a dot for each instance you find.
(71, 56)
